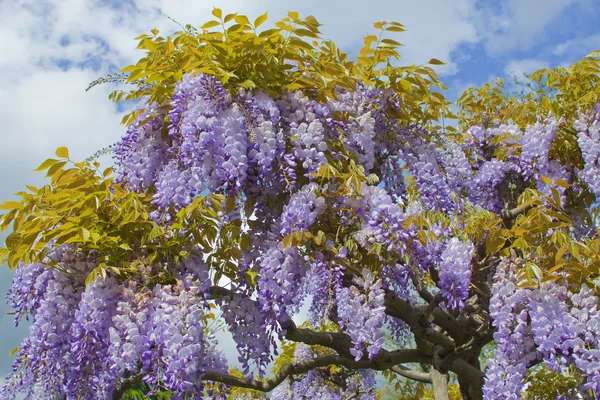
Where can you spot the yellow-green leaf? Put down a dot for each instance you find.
(435, 61)
(217, 12)
(391, 42)
(46, 164)
(62, 152)
(11, 205)
(210, 24)
(261, 19)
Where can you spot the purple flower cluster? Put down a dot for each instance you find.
(43, 356)
(362, 313)
(302, 210)
(27, 290)
(362, 134)
(185, 349)
(455, 272)
(322, 280)
(588, 138)
(279, 279)
(87, 358)
(244, 320)
(309, 144)
(535, 146)
(422, 161)
(506, 371)
(141, 152)
(483, 191)
(84, 339)
(382, 220)
(549, 323)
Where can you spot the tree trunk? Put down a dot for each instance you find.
(440, 385)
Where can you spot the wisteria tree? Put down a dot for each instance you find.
(264, 172)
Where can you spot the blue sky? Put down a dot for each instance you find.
(50, 50)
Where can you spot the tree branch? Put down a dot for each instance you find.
(412, 374)
(378, 363)
(341, 343)
(513, 213)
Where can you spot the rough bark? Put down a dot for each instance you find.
(440, 385)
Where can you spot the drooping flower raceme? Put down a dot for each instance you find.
(455, 272)
(588, 138)
(362, 312)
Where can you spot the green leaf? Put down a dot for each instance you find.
(210, 24)
(62, 152)
(391, 42)
(92, 276)
(494, 242)
(395, 29)
(217, 12)
(261, 19)
(435, 61)
(242, 20)
(84, 234)
(11, 205)
(46, 164)
(229, 17)
(229, 205)
(53, 169)
(14, 351)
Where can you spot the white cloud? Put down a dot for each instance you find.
(517, 24)
(578, 47)
(524, 66)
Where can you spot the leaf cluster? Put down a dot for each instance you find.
(291, 56)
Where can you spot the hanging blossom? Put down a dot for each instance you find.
(27, 290)
(88, 358)
(309, 144)
(507, 370)
(588, 138)
(281, 271)
(41, 361)
(244, 319)
(457, 168)
(483, 190)
(362, 313)
(382, 219)
(141, 151)
(186, 350)
(431, 182)
(130, 335)
(455, 272)
(362, 133)
(322, 281)
(548, 323)
(535, 146)
(302, 209)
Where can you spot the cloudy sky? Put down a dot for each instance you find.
(50, 50)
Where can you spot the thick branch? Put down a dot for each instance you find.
(513, 213)
(342, 343)
(412, 374)
(402, 309)
(378, 363)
